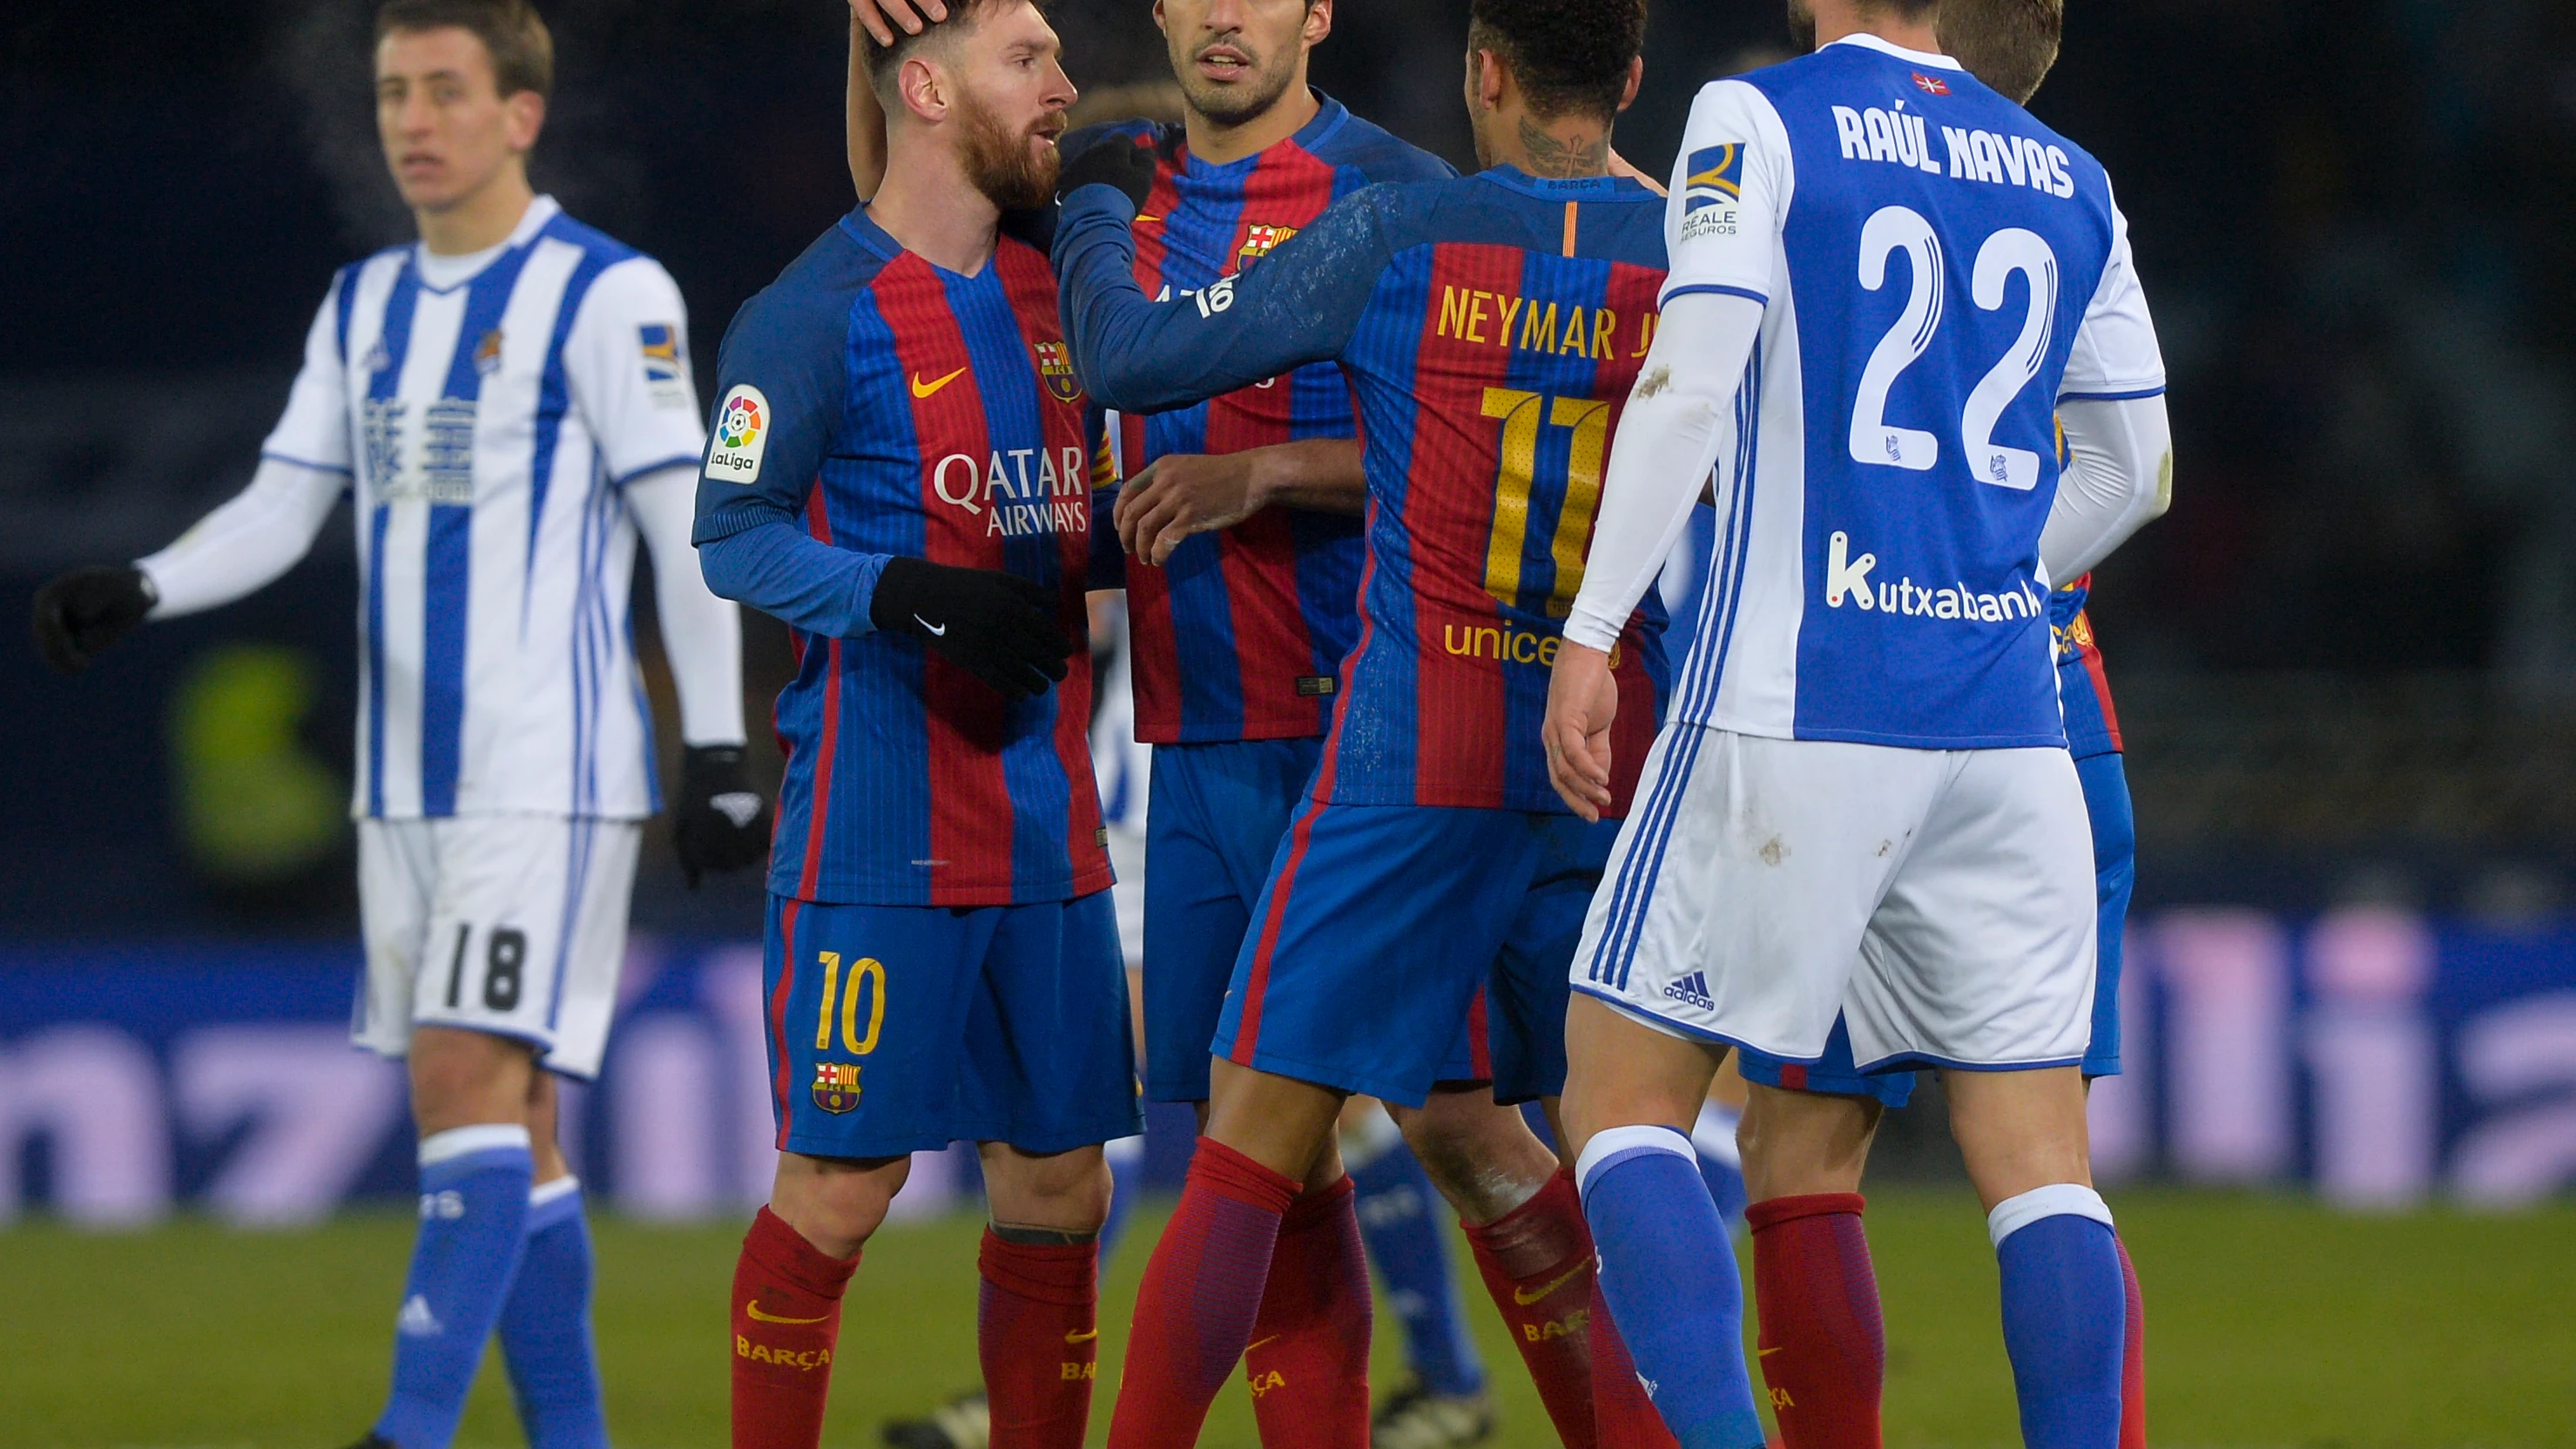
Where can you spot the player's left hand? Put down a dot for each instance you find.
(1180, 494)
(1119, 161)
(1582, 700)
(722, 822)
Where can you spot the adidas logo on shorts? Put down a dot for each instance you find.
(1692, 989)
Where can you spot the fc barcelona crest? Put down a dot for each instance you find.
(1055, 369)
(836, 1086)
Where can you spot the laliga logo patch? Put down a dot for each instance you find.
(742, 434)
(1055, 369)
(836, 1086)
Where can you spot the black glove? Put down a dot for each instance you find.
(999, 627)
(1113, 160)
(722, 822)
(80, 613)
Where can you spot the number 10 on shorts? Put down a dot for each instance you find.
(866, 976)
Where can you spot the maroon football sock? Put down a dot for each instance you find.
(1037, 1330)
(786, 1322)
(1537, 1264)
(1202, 1290)
(1823, 1349)
(1308, 1360)
(1622, 1416)
(2133, 1357)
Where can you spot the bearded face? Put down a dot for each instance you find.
(1234, 76)
(1014, 166)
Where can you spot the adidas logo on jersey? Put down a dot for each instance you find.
(1848, 577)
(1692, 990)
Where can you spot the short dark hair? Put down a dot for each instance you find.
(1568, 56)
(2008, 44)
(513, 34)
(962, 16)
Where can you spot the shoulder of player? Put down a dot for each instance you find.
(803, 317)
(1379, 155)
(1082, 138)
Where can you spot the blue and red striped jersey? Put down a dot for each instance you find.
(1490, 328)
(874, 404)
(2083, 690)
(1240, 635)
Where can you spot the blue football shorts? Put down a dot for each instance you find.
(1215, 816)
(1379, 925)
(896, 1029)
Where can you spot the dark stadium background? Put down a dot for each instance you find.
(2345, 664)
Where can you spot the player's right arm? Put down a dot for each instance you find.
(1721, 251)
(783, 386)
(1299, 305)
(242, 546)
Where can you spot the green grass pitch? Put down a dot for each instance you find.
(2270, 1323)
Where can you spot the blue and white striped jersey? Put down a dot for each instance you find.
(487, 424)
(1937, 271)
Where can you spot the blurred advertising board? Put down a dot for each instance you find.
(2376, 1057)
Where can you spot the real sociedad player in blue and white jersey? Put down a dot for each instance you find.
(509, 404)
(1884, 279)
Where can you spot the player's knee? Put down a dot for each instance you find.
(836, 1204)
(460, 1078)
(1065, 1191)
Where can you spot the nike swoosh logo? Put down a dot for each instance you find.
(1082, 1335)
(1256, 1343)
(1524, 1297)
(937, 631)
(1766, 1352)
(1142, 218)
(925, 389)
(753, 1308)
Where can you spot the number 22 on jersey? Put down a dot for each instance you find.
(1876, 441)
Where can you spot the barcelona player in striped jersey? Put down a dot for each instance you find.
(1242, 514)
(1488, 327)
(899, 469)
(1813, 1281)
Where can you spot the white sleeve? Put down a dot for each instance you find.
(628, 364)
(2115, 353)
(2118, 478)
(314, 430)
(1660, 455)
(701, 634)
(245, 544)
(1731, 186)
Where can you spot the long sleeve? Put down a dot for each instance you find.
(780, 570)
(701, 633)
(2118, 478)
(1298, 305)
(248, 542)
(1667, 439)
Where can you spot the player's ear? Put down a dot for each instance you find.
(1489, 72)
(1636, 78)
(524, 115)
(1319, 22)
(923, 88)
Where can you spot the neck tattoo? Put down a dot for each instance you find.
(1560, 156)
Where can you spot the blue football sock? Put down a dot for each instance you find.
(2065, 1313)
(545, 1326)
(1126, 1179)
(1668, 1274)
(1405, 1240)
(1721, 1165)
(473, 1216)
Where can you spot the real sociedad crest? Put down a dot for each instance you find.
(487, 353)
(1055, 369)
(836, 1086)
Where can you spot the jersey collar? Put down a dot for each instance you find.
(541, 211)
(1867, 41)
(1330, 116)
(1560, 188)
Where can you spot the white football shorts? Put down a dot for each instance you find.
(509, 924)
(1942, 900)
